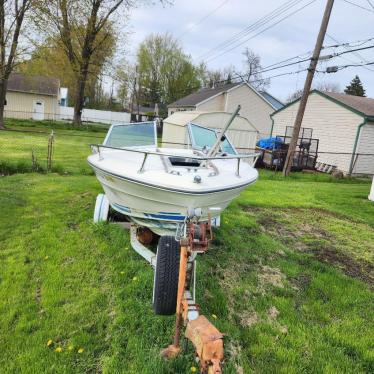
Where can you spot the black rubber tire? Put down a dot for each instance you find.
(165, 287)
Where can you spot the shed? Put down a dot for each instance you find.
(256, 106)
(32, 97)
(343, 124)
(242, 133)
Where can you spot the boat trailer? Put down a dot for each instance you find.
(194, 238)
(205, 337)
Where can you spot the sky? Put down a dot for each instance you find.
(201, 25)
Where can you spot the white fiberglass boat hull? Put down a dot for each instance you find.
(152, 202)
(165, 197)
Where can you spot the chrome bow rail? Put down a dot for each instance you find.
(96, 148)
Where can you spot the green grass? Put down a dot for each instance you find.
(283, 308)
(289, 276)
(70, 150)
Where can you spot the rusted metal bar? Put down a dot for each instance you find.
(207, 339)
(174, 349)
(181, 287)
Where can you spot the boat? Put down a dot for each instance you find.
(177, 194)
(157, 187)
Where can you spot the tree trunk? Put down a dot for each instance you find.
(79, 101)
(3, 86)
(81, 85)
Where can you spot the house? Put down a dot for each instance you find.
(32, 97)
(343, 124)
(255, 106)
(141, 113)
(175, 134)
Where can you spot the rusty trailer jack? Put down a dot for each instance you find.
(205, 337)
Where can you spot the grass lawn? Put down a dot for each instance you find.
(289, 276)
(71, 146)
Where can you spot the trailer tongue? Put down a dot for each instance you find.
(206, 338)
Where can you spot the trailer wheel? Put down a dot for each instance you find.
(165, 286)
(101, 213)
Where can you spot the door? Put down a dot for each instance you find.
(38, 110)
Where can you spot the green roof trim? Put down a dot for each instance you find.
(329, 98)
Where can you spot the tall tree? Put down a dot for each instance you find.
(89, 20)
(49, 59)
(252, 70)
(219, 77)
(165, 72)
(355, 88)
(12, 17)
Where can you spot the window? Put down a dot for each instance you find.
(189, 162)
(132, 135)
(202, 137)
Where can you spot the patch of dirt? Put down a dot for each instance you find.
(273, 312)
(67, 260)
(271, 276)
(239, 369)
(284, 329)
(72, 225)
(301, 281)
(321, 243)
(247, 319)
(234, 350)
(38, 295)
(361, 270)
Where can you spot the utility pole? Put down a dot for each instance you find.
(307, 86)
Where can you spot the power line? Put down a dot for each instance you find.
(242, 79)
(357, 43)
(345, 45)
(370, 3)
(359, 6)
(354, 65)
(249, 28)
(262, 31)
(308, 59)
(268, 17)
(201, 20)
(354, 53)
(258, 26)
(352, 50)
(335, 69)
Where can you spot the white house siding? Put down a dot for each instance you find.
(216, 103)
(21, 105)
(365, 164)
(253, 107)
(334, 126)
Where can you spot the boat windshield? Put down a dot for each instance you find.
(202, 137)
(132, 135)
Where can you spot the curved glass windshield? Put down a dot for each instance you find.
(131, 135)
(202, 137)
